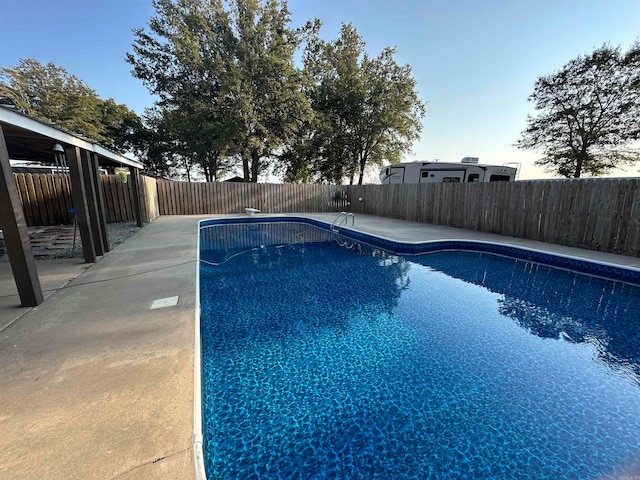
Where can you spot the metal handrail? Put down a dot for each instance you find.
(344, 217)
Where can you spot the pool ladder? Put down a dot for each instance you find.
(344, 220)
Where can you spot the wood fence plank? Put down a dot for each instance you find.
(177, 202)
(52, 200)
(65, 180)
(115, 203)
(632, 241)
(46, 199)
(161, 197)
(122, 199)
(168, 190)
(602, 200)
(173, 209)
(59, 199)
(164, 192)
(221, 198)
(208, 197)
(127, 194)
(21, 182)
(181, 207)
(173, 198)
(42, 207)
(191, 190)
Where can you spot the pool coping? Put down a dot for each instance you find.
(198, 455)
(592, 267)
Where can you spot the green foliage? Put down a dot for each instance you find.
(225, 78)
(366, 109)
(228, 89)
(589, 113)
(272, 106)
(52, 94)
(186, 59)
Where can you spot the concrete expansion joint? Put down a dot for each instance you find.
(157, 460)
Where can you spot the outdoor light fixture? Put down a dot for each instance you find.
(61, 161)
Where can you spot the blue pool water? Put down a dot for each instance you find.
(325, 358)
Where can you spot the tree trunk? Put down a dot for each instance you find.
(361, 173)
(578, 171)
(207, 173)
(245, 167)
(579, 163)
(255, 165)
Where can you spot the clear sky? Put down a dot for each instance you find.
(475, 61)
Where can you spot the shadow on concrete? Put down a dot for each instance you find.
(54, 274)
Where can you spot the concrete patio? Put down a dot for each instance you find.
(94, 384)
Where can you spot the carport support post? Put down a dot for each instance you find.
(79, 197)
(135, 183)
(16, 237)
(102, 213)
(92, 201)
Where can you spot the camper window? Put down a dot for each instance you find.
(473, 178)
(499, 178)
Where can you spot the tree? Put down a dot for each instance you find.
(589, 113)
(52, 94)
(187, 59)
(228, 72)
(366, 108)
(121, 129)
(271, 104)
(201, 139)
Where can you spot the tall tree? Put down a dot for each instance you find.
(186, 58)
(52, 94)
(227, 69)
(367, 109)
(273, 106)
(121, 129)
(588, 114)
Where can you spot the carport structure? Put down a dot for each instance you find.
(25, 138)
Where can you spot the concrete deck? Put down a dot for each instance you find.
(53, 275)
(95, 385)
(419, 232)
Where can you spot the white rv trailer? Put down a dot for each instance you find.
(467, 171)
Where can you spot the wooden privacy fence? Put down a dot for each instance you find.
(598, 214)
(46, 198)
(184, 198)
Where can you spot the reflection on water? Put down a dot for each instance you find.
(552, 303)
(259, 254)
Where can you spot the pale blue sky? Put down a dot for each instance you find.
(475, 62)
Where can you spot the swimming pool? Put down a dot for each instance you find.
(326, 357)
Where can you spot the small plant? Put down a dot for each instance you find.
(123, 176)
